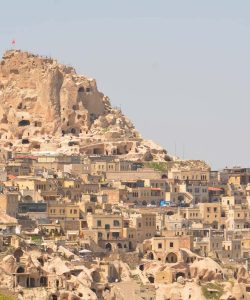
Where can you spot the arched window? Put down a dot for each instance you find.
(108, 246)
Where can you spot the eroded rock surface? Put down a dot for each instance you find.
(47, 106)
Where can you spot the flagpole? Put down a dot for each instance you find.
(13, 43)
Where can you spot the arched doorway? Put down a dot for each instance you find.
(20, 269)
(180, 198)
(171, 258)
(17, 254)
(108, 247)
(178, 274)
(119, 245)
(151, 279)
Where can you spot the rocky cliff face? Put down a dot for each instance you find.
(46, 106)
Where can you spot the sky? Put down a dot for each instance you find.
(179, 70)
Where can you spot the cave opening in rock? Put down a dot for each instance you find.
(24, 123)
(25, 141)
(151, 279)
(81, 89)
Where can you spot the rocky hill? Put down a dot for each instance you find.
(47, 106)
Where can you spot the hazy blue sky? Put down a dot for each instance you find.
(179, 69)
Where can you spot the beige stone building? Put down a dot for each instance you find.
(115, 195)
(167, 249)
(9, 202)
(109, 229)
(210, 213)
(63, 211)
(145, 225)
(143, 196)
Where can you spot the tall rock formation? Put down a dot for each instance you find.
(47, 106)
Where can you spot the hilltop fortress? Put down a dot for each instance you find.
(47, 106)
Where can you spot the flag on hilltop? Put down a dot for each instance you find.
(13, 42)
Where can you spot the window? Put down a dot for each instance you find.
(107, 226)
(75, 211)
(99, 223)
(159, 245)
(99, 235)
(115, 234)
(171, 244)
(116, 223)
(139, 225)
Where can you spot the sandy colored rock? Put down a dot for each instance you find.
(47, 106)
(206, 269)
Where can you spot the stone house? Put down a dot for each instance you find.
(167, 249)
(109, 229)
